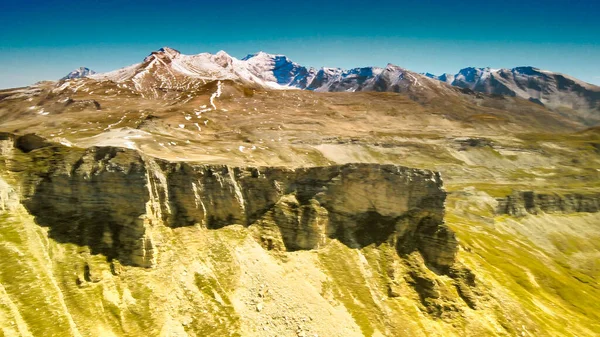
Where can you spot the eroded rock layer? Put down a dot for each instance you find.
(106, 198)
(521, 203)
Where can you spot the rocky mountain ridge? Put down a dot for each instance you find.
(168, 69)
(563, 93)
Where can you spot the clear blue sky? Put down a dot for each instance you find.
(46, 39)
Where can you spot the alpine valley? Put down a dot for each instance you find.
(204, 195)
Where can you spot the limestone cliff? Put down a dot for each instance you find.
(521, 203)
(107, 198)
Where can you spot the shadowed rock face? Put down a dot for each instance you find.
(521, 203)
(30, 142)
(106, 198)
(98, 201)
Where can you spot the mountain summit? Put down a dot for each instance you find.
(279, 69)
(79, 73)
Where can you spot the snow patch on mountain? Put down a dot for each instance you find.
(216, 94)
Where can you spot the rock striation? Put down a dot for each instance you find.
(521, 203)
(109, 198)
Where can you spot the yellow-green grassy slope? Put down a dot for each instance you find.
(221, 282)
(534, 276)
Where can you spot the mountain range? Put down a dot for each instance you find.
(168, 69)
(562, 93)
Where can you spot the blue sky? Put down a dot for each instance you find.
(42, 40)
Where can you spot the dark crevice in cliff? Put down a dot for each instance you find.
(373, 228)
(466, 285)
(427, 234)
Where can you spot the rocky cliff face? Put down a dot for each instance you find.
(109, 242)
(107, 198)
(521, 203)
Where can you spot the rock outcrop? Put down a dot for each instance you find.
(521, 203)
(107, 198)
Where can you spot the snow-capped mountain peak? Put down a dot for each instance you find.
(279, 69)
(223, 59)
(167, 68)
(262, 55)
(79, 73)
(554, 90)
(164, 53)
(169, 51)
